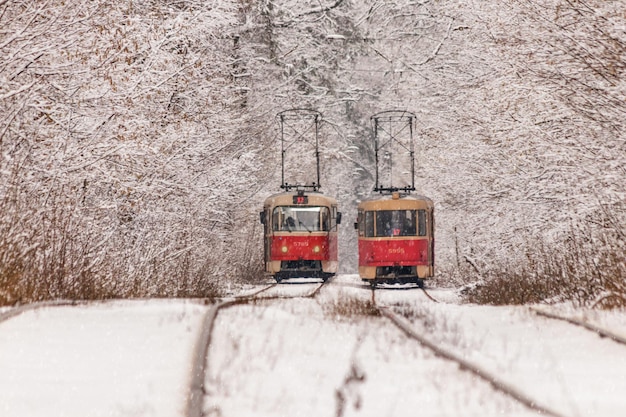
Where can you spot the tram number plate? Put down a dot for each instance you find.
(300, 199)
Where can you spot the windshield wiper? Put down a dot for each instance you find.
(304, 225)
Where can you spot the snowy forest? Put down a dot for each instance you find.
(138, 138)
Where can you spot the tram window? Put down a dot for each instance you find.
(399, 223)
(360, 222)
(324, 214)
(298, 218)
(421, 225)
(289, 224)
(385, 224)
(276, 219)
(309, 220)
(407, 218)
(369, 223)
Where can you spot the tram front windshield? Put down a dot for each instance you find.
(298, 218)
(395, 223)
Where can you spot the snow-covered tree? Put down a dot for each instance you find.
(138, 139)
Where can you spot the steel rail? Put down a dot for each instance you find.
(430, 297)
(589, 326)
(311, 294)
(195, 397)
(254, 294)
(16, 311)
(465, 365)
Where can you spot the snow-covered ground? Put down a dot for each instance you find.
(304, 357)
(127, 358)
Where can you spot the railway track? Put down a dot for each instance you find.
(497, 383)
(600, 331)
(196, 391)
(16, 311)
(430, 297)
(199, 365)
(195, 399)
(207, 341)
(257, 292)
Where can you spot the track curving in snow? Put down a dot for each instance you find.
(16, 311)
(195, 399)
(600, 331)
(475, 369)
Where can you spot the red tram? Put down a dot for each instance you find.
(396, 239)
(300, 233)
(395, 229)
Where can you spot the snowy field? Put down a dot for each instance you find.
(304, 357)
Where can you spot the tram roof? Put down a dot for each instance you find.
(286, 198)
(401, 201)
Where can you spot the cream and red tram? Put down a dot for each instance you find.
(396, 239)
(300, 235)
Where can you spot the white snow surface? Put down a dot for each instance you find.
(307, 356)
(127, 358)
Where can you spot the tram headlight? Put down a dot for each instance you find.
(316, 249)
(284, 249)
